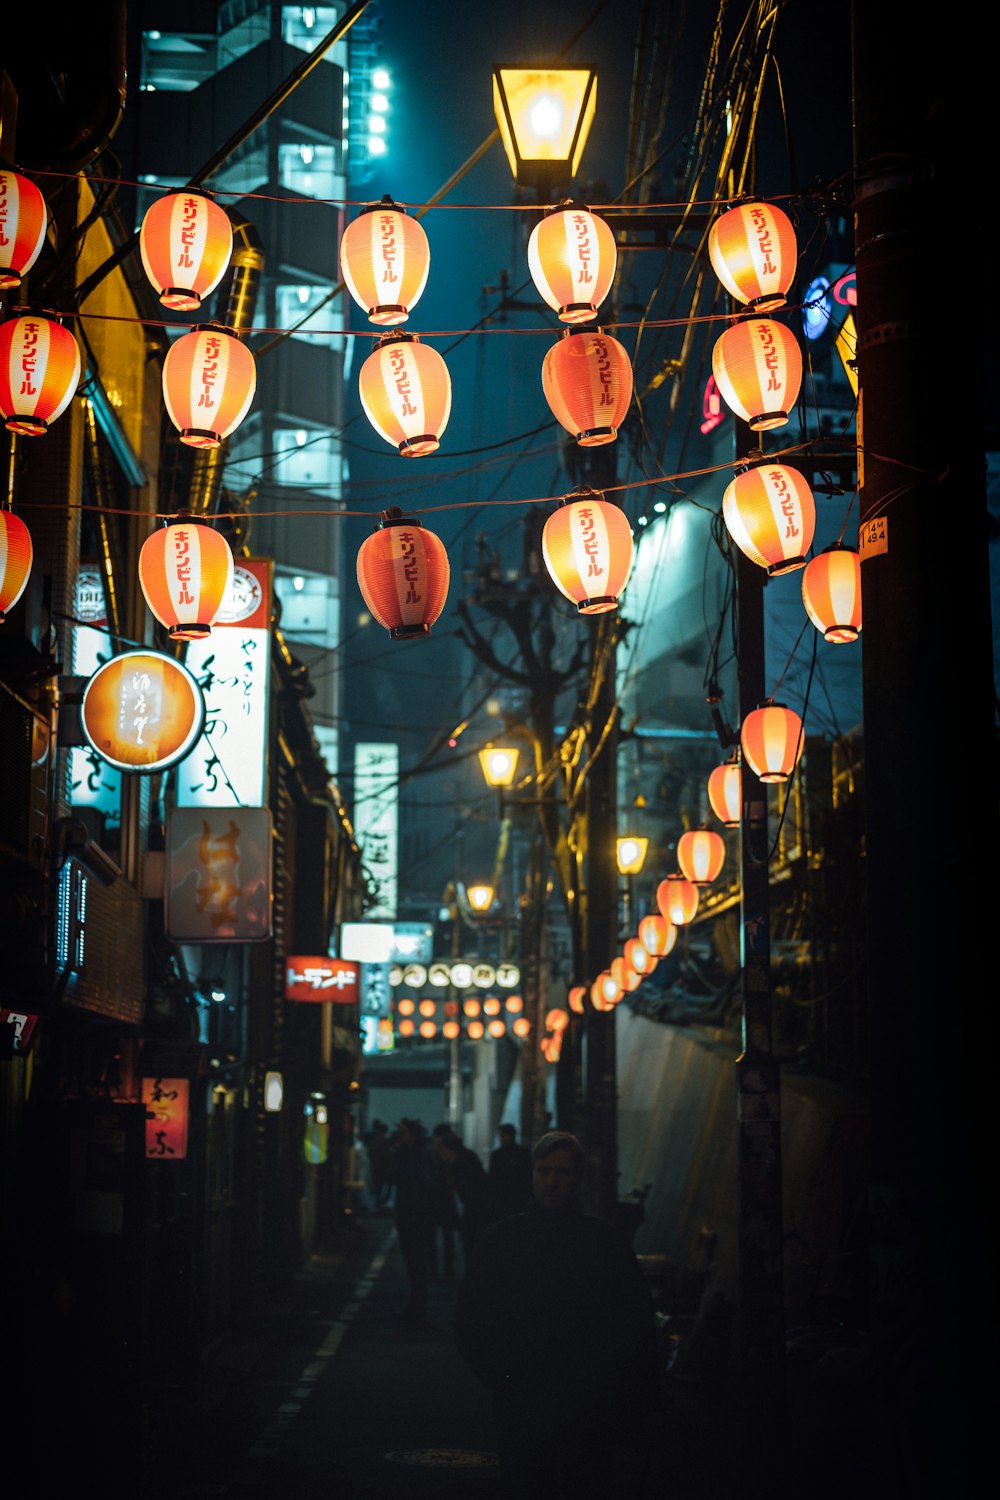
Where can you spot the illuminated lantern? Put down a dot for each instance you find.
(753, 252)
(725, 793)
(497, 1028)
(521, 1026)
(405, 390)
(657, 934)
(407, 1028)
(39, 372)
(514, 1004)
(403, 573)
(831, 593)
(15, 560)
(556, 1020)
(757, 366)
(587, 381)
(471, 1008)
(588, 551)
(475, 1031)
(625, 978)
(450, 1030)
(384, 259)
(23, 222)
(677, 898)
(772, 741)
(638, 957)
(572, 257)
(186, 244)
(770, 514)
(209, 381)
(186, 574)
(700, 854)
(605, 992)
(428, 1029)
(575, 999)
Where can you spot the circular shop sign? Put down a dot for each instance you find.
(142, 711)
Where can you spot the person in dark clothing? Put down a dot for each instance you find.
(446, 1217)
(509, 1175)
(471, 1186)
(554, 1315)
(379, 1153)
(413, 1211)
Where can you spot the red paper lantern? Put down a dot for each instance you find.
(657, 934)
(588, 550)
(209, 381)
(772, 741)
(770, 514)
(39, 372)
(406, 393)
(403, 574)
(701, 853)
(757, 366)
(384, 259)
(627, 979)
(15, 560)
(575, 999)
(831, 593)
(605, 992)
(572, 257)
(23, 222)
(753, 252)
(587, 381)
(638, 957)
(186, 574)
(186, 244)
(677, 898)
(725, 793)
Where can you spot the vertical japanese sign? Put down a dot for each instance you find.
(167, 1101)
(376, 821)
(218, 875)
(228, 766)
(93, 782)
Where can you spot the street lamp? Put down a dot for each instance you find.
(499, 763)
(544, 116)
(480, 897)
(630, 850)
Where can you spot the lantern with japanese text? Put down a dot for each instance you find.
(23, 222)
(403, 574)
(700, 854)
(39, 372)
(384, 260)
(572, 257)
(831, 593)
(770, 514)
(588, 550)
(772, 741)
(209, 382)
(15, 560)
(753, 252)
(757, 366)
(657, 934)
(405, 390)
(587, 381)
(725, 793)
(186, 573)
(677, 898)
(186, 244)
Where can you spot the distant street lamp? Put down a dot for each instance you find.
(544, 116)
(480, 897)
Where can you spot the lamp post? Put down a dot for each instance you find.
(630, 851)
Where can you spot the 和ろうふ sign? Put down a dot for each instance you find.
(142, 711)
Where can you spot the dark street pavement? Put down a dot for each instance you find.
(330, 1393)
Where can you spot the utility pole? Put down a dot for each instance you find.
(930, 747)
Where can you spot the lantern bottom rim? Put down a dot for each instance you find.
(598, 605)
(416, 447)
(767, 302)
(180, 299)
(26, 426)
(841, 634)
(408, 632)
(9, 279)
(765, 420)
(577, 312)
(593, 437)
(193, 632)
(387, 314)
(786, 565)
(200, 437)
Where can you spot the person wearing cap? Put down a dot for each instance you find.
(555, 1316)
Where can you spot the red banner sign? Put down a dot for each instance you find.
(166, 1101)
(321, 978)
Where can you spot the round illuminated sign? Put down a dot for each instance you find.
(508, 976)
(244, 597)
(816, 308)
(142, 711)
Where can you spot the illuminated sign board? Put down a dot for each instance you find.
(319, 977)
(217, 885)
(167, 1103)
(376, 819)
(142, 711)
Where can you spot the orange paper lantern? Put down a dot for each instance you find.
(753, 252)
(15, 560)
(770, 514)
(605, 992)
(384, 259)
(725, 793)
(575, 999)
(23, 222)
(403, 574)
(657, 934)
(186, 574)
(627, 979)
(572, 257)
(588, 550)
(772, 741)
(638, 957)
(39, 372)
(405, 390)
(677, 898)
(831, 593)
(186, 244)
(701, 853)
(587, 381)
(209, 381)
(757, 366)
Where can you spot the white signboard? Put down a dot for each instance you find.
(376, 821)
